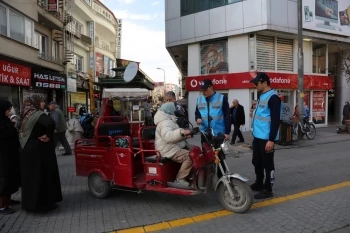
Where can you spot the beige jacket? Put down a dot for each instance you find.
(168, 137)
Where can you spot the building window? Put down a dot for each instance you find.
(97, 41)
(79, 60)
(318, 58)
(105, 46)
(252, 52)
(265, 52)
(194, 6)
(55, 50)
(233, 1)
(217, 3)
(3, 21)
(16, 26)
(214, 57)
(284, 54)
(28, 31)
(274, 53)
(187, 7)
(40, 42)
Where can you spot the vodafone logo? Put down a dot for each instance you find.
(194, 83)
(280, 80)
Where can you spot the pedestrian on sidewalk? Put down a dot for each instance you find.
(238, 119)
(266, 122)
(148, 113)
(40, 180)
(9, 159)
(61, 127)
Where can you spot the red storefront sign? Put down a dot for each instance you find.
(241, 81)
(71, 109)
(14, 74)
(319, 104)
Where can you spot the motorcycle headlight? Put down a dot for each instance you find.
(224, 147)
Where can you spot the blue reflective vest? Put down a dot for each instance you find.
(262, 117)
(215, 111)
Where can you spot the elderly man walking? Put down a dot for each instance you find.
(61, 127)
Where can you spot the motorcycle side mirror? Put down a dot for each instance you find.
(195, 130)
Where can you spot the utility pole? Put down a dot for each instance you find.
(65, 17)
(300, 62)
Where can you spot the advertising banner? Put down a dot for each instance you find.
(71, 85)
(214, 57)
(123, 62)
(119, 38)
(241, 81)
(52, 6)
(13, 74)
(330, 16)
(92, 50)
(105, 65)
(319, 107)
(49, 80)
(99, 63)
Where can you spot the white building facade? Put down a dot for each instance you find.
(225, 40)
(97, 45)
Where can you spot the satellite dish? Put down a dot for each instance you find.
(130, 71)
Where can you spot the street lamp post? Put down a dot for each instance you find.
(164, 78)
(300, 61)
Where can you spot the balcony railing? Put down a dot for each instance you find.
(47, 57)
(44, 4)
(112, 21)
(99, 45)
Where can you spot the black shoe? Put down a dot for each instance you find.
(67, 154)
(263, 194)
(7, 210)
(48, 208)
(241, 141)
(232, 143)
(257, 187)
(14, 202)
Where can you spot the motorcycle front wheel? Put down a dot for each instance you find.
(243, 196)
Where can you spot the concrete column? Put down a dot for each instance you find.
(342, 86)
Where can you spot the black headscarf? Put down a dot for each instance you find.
(4, 106)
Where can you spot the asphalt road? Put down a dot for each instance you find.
(297, 170)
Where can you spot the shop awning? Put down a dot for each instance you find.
(125, 93)
(140, 81)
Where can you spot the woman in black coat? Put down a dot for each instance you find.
(9, 158)
(40, 183)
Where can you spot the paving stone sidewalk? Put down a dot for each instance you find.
(322, 213)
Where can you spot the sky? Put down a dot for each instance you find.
(143, 36)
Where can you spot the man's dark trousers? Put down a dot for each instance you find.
(236, 132)
(61, 137)
(263, 161)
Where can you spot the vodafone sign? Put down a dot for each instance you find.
(241, 81)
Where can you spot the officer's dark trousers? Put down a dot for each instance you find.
(263, 163)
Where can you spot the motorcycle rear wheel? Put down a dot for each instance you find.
(243, 196)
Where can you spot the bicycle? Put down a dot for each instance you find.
(306, 128)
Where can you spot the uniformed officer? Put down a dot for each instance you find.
(213, 111)
(266, 122)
